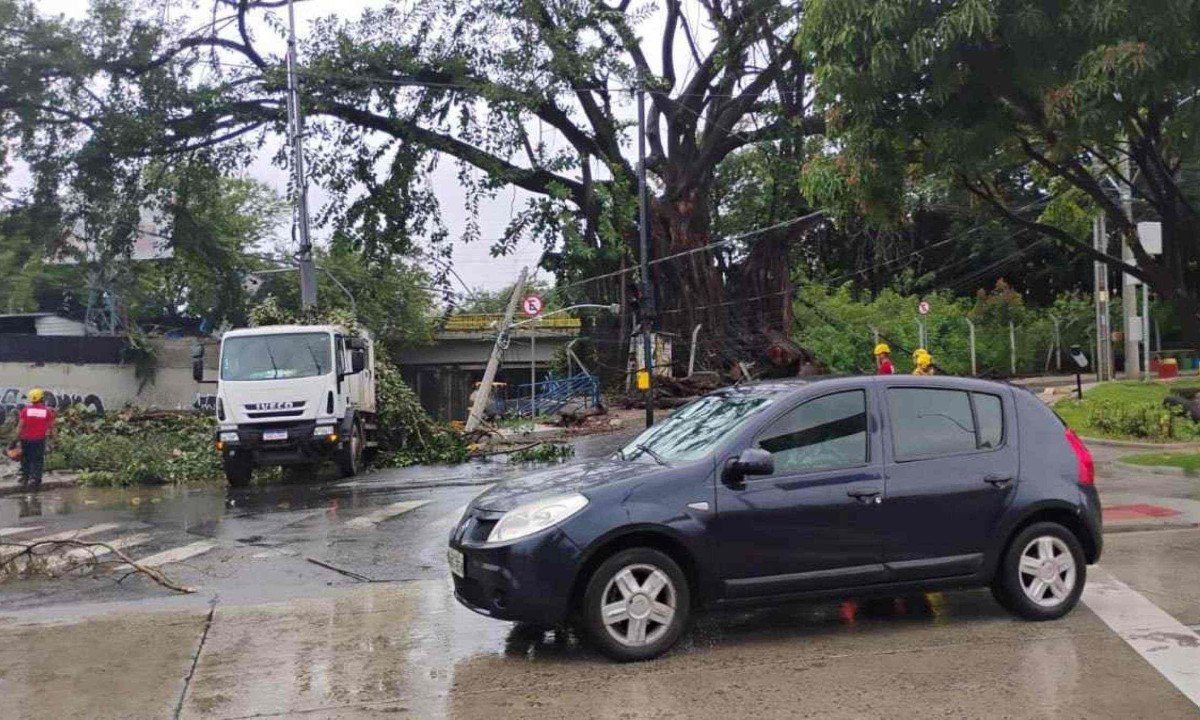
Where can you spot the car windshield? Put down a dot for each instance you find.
(275, 357)
(695, 428)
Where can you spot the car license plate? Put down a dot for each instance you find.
(273, 435)
(456, 562)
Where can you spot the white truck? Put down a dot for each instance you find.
(293, 395)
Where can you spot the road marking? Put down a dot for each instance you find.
(1172, 648)
(65, 535)
(374, 518)
(5, 532)
(73, 557)
(174, 555)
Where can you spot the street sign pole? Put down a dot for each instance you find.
(643, 233)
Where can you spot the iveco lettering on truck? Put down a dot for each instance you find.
(293, 395)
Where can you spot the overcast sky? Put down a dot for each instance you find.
(471, 260)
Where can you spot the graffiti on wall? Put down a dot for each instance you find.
(11, 400)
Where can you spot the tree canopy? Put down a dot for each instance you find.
(1037, 110)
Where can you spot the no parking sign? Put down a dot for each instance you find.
(531, 305)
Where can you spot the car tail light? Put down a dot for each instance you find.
(1083, 459)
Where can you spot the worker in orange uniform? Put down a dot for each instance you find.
(883, 360)
(35, 425)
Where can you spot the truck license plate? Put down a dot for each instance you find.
(272, 435)
(456, 562)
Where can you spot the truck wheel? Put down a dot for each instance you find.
(238, 472)
(350, 454)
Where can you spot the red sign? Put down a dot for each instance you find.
(923, 307)
(531, 305)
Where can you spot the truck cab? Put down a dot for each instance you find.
(293, 395)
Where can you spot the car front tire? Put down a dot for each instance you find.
(636, 605)
(1042, 573)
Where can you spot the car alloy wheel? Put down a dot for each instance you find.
(1047, 571)
(639, 605)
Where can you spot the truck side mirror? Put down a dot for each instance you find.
(198, 363)
(358, 361)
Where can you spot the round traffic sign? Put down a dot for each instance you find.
(923, 307)
(531, 305)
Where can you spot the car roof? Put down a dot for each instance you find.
(797, 386)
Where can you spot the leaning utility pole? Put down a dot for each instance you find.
(308, 273)
(489, 374)
(647, 304)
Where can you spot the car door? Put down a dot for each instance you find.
(951, 468)
(812, 524)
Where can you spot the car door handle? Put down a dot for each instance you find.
(866, 494)
(998, 481)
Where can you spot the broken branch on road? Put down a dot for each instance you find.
(35, 555)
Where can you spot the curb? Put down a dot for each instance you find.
(1167, 470)
(1134, 445)
(15, 489)
(1132, 527)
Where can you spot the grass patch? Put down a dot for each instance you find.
(1128, 410)
(1189, 462)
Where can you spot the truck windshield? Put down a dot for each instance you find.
(275, 357)
(695, 429)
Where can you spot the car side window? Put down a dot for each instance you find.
(928, 423)
(826, 433)
(989, 413)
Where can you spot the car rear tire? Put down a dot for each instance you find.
(238, 472)
(1042, 573)
(636, 605)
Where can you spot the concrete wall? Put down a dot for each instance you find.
(108, 387)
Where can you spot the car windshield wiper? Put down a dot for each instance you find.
(657, 458)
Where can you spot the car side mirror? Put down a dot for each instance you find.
(752, 461)
(358, 361)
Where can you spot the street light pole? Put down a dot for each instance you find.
(647, 305)
(308, 273)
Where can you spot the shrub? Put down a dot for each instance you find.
(1149, 421)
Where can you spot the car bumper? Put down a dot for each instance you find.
(526, 581)
(1093, 518)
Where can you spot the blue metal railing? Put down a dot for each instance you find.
(553, 393)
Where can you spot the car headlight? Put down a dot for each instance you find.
(322, 430)
(229, 437)
(530, 518)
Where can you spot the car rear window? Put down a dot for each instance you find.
(989, 412)
(928, 423)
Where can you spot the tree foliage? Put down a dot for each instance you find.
(1033, 108)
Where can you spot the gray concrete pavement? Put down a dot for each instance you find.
(269, 634)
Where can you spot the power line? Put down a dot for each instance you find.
(702, 248)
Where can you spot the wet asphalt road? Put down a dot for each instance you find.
(270, 634)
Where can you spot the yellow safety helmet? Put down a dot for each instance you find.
(924, 359)
(918, 353)
(882, 349)
(36, 395)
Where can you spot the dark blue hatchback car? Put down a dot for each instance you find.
(778, 490)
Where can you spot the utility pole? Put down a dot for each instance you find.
(1129, 300)
(647, 304)
(308, 273)
(1104, 359)
(489, 373)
